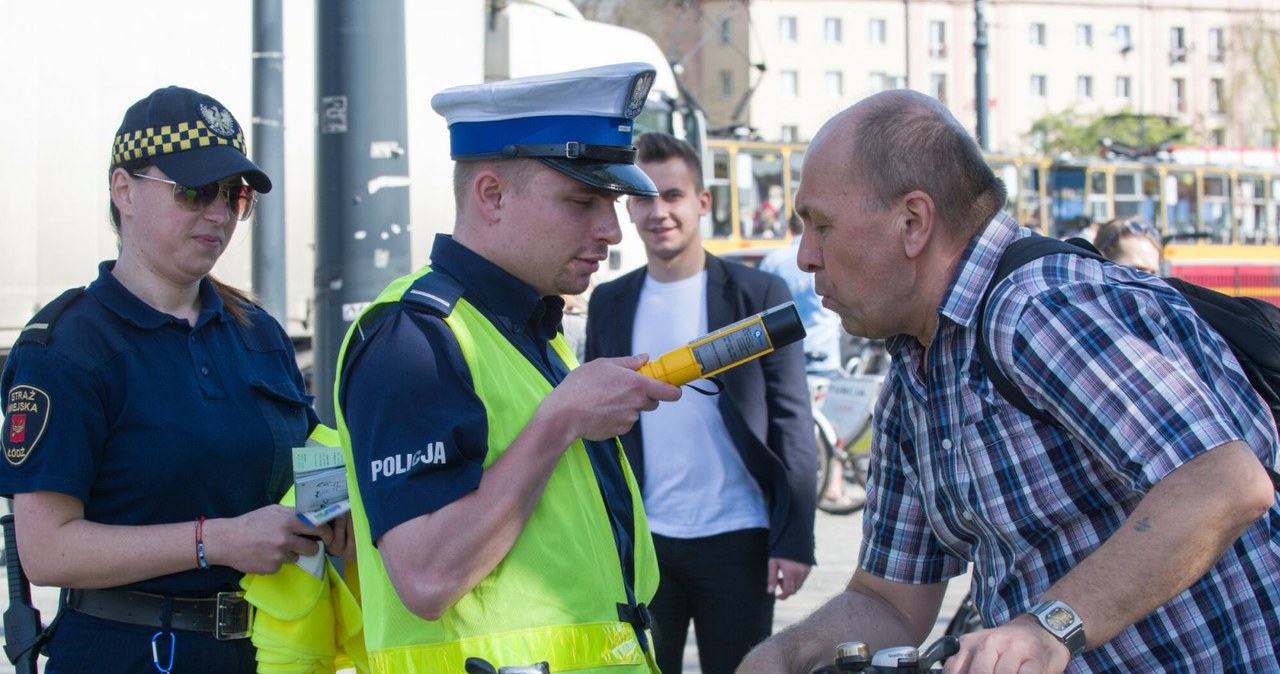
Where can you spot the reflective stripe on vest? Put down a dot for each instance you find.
(565, 648)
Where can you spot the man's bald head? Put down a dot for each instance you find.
(902, 140)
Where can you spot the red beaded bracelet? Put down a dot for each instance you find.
(200, 560)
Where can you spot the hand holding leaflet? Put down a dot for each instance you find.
(320, 483)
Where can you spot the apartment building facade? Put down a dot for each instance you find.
(780, 68)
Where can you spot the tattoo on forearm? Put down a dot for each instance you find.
(1143, 524)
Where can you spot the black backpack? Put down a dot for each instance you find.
(1249, 326)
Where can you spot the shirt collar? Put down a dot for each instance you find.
(113, 295)
(495, 291)
(976, 268)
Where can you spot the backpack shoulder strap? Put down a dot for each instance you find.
(1019, 253)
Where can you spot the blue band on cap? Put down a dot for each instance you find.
(482, 138)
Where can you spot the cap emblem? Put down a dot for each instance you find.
(639, 93)
(218, 119)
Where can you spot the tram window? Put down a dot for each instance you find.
(1130, 198)
(1098, 183)
(721, 220)
(1067, 196)
(1253, 213)
(797, 160)
(1099, 199)
(1126, 183)
(761, 199)
(1181, 203)
(720, 164)
(1215, 212)
(1273, 212)
(721, 213)
(1031, 214)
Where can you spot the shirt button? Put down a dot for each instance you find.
(991, 582)
(204, 370)
(968, 516)
(946, 443)
(193, 338)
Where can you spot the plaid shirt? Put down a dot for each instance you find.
(1140, 386)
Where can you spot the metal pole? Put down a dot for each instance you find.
(269, 280)
(362, 171)
(906, 44)
(980, 76)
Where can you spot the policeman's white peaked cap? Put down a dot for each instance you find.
(578, 123)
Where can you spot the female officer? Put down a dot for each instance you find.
(148, 427)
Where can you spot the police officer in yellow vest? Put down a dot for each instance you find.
(495, 514)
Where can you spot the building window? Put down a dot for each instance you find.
(1218, 137)
(1084, 35)
(876, 31)
(1217, 92)
(726, 83)
(1036, 35)
(1124, 87)
(938, 39)
(790, 83)
(1084, 87)
(1177, 44)
(938, 86)
(1178, 95)
(787, 29)
(833, 30)
(790, 133)
(879, 82)
(1123, 43)
(1037, 86)
(1269, 137)
(726, 31)
(1217, 45)
(835, 84)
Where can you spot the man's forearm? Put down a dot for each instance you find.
(1176, 534)
(873, 611)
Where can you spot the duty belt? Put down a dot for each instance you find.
(227, 615)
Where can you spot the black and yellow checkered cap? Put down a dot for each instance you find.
(193, 138)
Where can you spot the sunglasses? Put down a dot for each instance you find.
(1138, 227)
(239, 199)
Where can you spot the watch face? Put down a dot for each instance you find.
(1059, 618)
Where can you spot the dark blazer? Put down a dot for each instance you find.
(765, 403)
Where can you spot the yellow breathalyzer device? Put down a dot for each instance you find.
(729, 346)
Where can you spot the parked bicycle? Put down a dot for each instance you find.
(842, 406)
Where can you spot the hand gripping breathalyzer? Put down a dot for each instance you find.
(729, 346)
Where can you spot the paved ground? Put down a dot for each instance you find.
(838, 538)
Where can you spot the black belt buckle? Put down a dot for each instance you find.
(232, 618)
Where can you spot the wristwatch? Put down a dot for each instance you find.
(1062, 622)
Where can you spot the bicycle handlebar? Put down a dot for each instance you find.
(854, 657)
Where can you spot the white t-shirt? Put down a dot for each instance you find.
(695, 484)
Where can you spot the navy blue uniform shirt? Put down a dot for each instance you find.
(407, 392)
(149, 420)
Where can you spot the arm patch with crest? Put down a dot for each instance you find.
(26, 412)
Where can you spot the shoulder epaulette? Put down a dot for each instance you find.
(435, 292)
(40, 328)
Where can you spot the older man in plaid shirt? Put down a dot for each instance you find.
(1136, 532)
